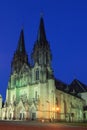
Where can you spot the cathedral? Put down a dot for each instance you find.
(33, 92)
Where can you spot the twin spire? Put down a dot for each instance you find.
(41, 37)
(41, 32)
(21, 43)
(41, 54)
(20, 56)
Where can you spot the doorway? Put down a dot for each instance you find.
(33, 116)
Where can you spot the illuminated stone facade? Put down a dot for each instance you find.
(33, 92)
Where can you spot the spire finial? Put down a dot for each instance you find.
(22, 28)
(41, 14)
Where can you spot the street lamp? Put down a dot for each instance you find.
(55, 112)
(57, 109)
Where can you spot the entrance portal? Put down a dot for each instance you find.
(21, 116)
(33, 116)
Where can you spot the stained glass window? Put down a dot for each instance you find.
(37, 74)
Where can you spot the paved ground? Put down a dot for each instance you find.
(33, 125)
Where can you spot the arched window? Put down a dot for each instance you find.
(37, 56)
(46, 57)
(37, 74)
(65, 107)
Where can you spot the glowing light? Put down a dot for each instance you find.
(57, 108)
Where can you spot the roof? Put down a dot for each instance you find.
(85, 108)
(60, 85)
(77, 86)
(21, 43)
(41, 32)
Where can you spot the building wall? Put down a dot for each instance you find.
(84, 96)
(71, 107)
(45, 101)
(28, 97)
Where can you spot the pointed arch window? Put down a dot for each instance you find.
(37, 56)
(47, 57)
(37, 74)
(65, 107)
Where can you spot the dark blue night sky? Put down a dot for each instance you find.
(66, 30)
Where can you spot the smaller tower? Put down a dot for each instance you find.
(20, 56)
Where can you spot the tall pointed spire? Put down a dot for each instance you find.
(20, 56)
(41, 52)
(21, 44)
(41, 33)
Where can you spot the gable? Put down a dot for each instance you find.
(24, 69)
(77, 86)
(20, 106)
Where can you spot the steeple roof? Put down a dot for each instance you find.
(21, 44)
(20, 56)
(41, 33)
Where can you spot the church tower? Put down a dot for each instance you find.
(41, 52)
(20, 56)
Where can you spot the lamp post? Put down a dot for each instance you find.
(53, 111)
(56, 112)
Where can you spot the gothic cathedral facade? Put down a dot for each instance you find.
(33, 93)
